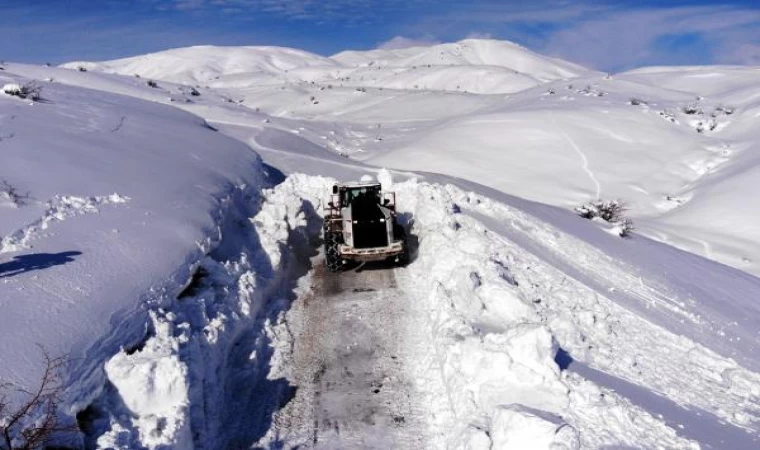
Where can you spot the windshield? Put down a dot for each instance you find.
(364, 192)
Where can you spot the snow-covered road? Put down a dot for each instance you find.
(350, 356)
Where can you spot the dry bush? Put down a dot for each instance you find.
(626, 227)
(30, 90)
(610, 211)
(607, 210)
(10, 193)
(30, 424)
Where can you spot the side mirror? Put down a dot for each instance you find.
(335, 189)
(386, 202)
(331, 204)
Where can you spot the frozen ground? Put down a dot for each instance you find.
(145, 242)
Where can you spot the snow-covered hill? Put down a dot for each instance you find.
(202, 64)
(479, 66)
(469, 52)
(146, 245)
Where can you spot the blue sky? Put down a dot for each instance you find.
(601, 34)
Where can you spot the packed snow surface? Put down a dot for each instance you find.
(142, 236)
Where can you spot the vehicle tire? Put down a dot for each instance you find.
(400, 234)
(333, 261)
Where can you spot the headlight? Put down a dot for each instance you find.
(382, 220)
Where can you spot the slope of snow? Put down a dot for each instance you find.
(678, 161)
(117, 201)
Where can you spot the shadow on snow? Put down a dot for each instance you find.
(35, 261)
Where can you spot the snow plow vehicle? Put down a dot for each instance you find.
(361, 225)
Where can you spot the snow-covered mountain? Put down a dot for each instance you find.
(161, 218)
(202, 64)
(479, 66)
(469, 52)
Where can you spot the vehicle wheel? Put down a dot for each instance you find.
(403, 258)
(333, 261)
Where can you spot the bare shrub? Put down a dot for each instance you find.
(723, 109)
(607, 210)
(625, 227)
(692, 109)
(11, 194)
(669, 115)
(610, 211)
(635, 101)
(30, 90)
(31, 424)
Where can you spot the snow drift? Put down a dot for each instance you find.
(108, 204)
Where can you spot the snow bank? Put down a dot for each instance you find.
(201, 379)
(496, 352)
(107, 205)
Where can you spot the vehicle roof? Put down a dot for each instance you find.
(359, 184)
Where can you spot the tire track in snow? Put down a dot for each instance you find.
(584, 164)
(582, 155)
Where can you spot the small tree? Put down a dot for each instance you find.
(31, 424)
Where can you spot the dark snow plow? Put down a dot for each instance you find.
(361, 225)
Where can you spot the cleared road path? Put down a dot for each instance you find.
(350, 349)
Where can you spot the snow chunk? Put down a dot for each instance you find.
(515, 367)
(12, 88)
(385, 178)
(153, 383)
(517, 427)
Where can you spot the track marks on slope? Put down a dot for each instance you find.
(584, 164)
(581, 155)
